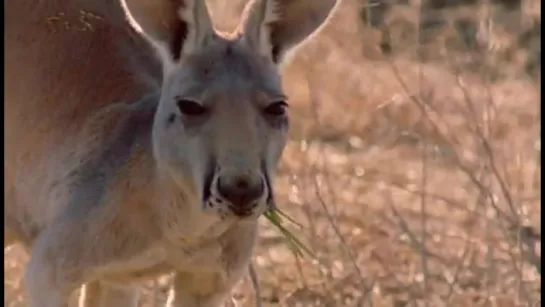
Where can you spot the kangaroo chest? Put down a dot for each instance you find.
(163, 259)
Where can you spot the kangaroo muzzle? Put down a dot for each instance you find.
(243, 192)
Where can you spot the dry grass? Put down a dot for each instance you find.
(416, 176)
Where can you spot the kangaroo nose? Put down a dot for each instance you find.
(241, 192)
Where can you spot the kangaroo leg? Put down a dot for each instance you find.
(197, 290)
(255, 284)
(90, 295)
(117, 296)
(75, 250)
(98, 294)
(51, 275)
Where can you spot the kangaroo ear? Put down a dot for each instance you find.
(274, 27)
(174, 27)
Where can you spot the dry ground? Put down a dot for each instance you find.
(414, 166)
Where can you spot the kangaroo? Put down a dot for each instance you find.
(141, 141)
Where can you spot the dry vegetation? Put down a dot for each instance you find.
(414, 163)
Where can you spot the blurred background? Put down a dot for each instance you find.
(413, 165)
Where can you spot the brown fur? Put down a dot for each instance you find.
(103, 175)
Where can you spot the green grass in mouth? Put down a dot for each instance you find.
(276, 217)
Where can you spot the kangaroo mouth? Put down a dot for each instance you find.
(207, 186)
(270, 192)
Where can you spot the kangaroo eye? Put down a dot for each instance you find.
(276, 108)
(191, 108)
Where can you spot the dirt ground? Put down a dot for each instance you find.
(413, 164)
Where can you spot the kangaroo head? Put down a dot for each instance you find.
(222, 121)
